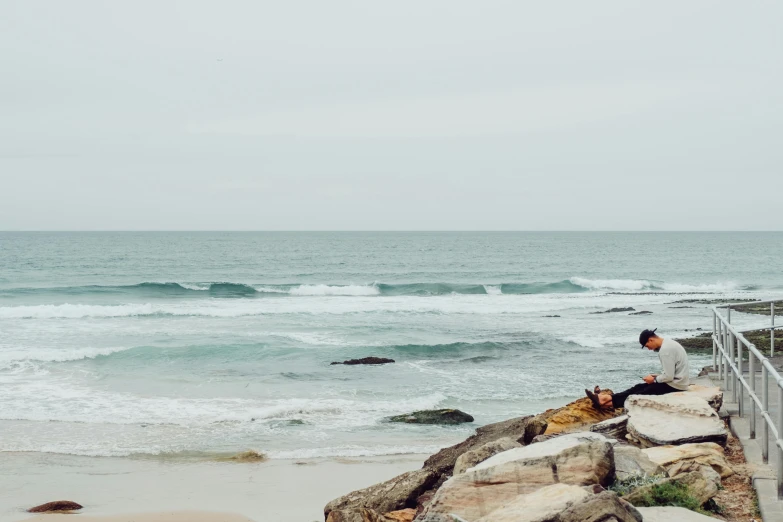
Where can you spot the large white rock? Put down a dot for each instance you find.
(542, 449)
(539, 505)
(674, 458)
(578, 459)
(672, 514)
(712, 394)
(672, 419)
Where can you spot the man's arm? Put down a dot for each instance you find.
(668, 364)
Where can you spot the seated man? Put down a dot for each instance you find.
(675, 376)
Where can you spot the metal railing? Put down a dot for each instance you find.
(728, 344)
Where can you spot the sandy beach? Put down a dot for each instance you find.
(147, 490)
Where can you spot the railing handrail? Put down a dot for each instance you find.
(725, 338)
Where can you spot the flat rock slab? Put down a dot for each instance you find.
(540, 505)
(615, 428)
(704, 453)
(578, 459)
(673, 419)
(712, 394)
(672, 514)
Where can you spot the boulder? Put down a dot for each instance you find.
(670, 514)
(398, 493)
(643, 312)
(539, 505)
(370, 515)
(520, 429)
(472, 457)
(577, 459)
(630, 461)
(366, 360)
(574, 416)
(712, 394)
(688, 457)
(672, 419)
(57, 505)
(447, 416)
(700, 487)
(615, 428)
(605, 507)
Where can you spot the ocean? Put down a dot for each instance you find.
(189, 345)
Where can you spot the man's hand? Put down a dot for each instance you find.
(649, 379)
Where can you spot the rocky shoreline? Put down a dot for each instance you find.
(661, 458)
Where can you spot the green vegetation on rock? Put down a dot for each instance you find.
(671, 493)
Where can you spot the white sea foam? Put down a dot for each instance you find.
(643, 285)
(17, 358)
(493, 289)
(335, 290)
(195, 286)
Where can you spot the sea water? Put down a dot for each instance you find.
(193, 345)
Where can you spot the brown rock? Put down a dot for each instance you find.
(398, 493)
(57, 505)
(520, 429)
(574, 416)
(403, 515)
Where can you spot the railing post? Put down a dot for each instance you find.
(777, 447)
(752, 382)
(714, 347)
(772, 330)
(738, 383)
(733, 359)
(727, 354)
(765, 405)
(722, 358)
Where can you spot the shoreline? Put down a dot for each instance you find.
(136, 490)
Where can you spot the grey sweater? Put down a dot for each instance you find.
(674, 361)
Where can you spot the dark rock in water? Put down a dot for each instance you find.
(682, 307)
(433, 417)
(550, 316)
(613, 310)
(366, 360)
(57, 505)
(643, 312)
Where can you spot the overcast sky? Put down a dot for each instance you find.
(404, 115)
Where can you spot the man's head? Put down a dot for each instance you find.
(649, 340)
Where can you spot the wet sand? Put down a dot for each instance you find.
(152, 490)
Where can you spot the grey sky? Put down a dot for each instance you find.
(425, 115)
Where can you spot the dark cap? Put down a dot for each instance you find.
(645, 336)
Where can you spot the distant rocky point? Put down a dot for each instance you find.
(613, 310)
(366, 360)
